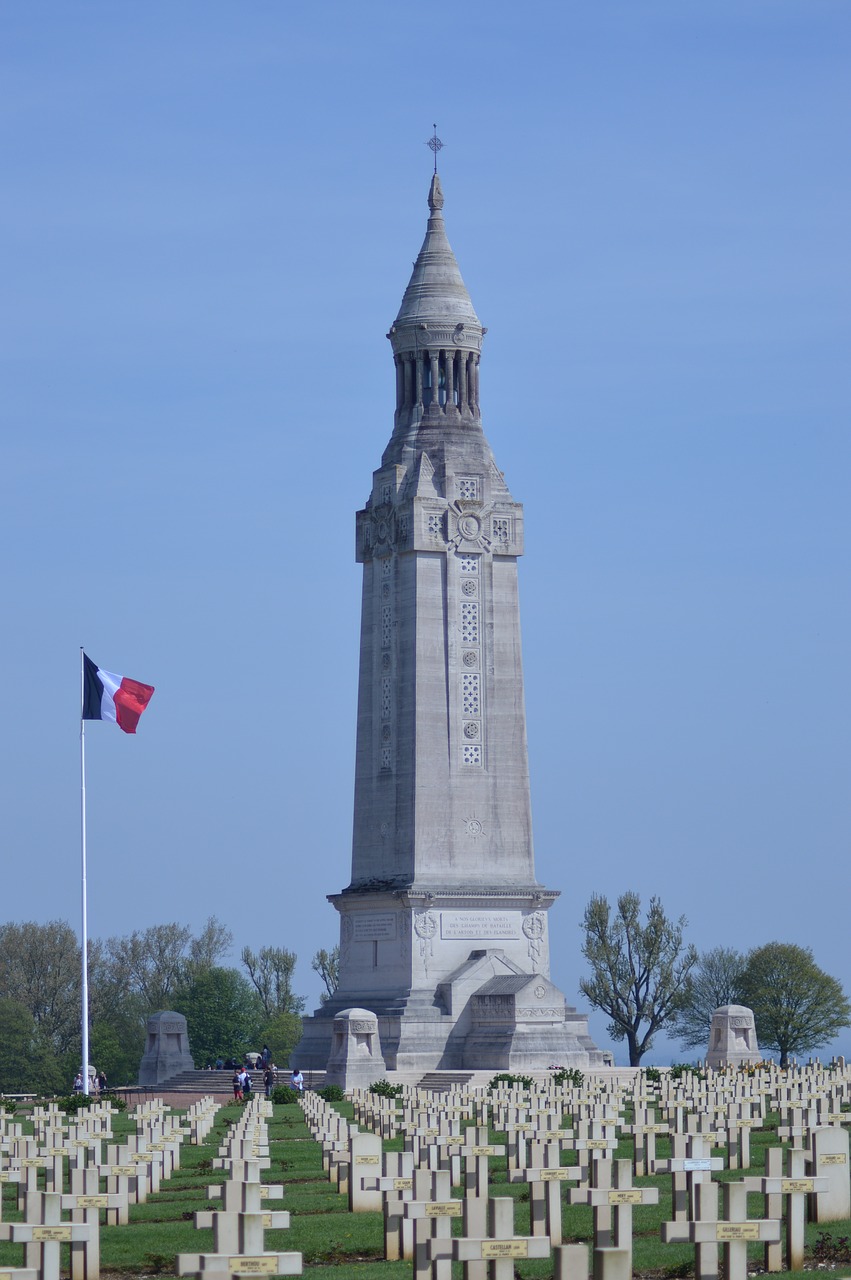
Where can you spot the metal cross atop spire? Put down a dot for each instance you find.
(435, 144)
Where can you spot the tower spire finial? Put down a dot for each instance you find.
(435, 144)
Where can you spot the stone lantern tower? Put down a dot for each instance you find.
(443, 928)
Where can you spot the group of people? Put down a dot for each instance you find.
(242, 1079)
(97, 1083)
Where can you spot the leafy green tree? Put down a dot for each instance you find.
(282, 1033)
(271, 971)
(639, 972)
(17, 1036)
(28, 1061)
(797, 1006)
(40, 968)
(714, 981)
(327, 965)
(223, 1014)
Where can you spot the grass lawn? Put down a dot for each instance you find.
(336, 1243)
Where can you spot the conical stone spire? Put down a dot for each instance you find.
(436, 296)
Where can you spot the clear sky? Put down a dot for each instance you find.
(210, 212)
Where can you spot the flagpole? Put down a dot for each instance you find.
(85, 929)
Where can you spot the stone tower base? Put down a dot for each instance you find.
(486, 1016)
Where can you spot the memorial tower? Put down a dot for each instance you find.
(443, 928)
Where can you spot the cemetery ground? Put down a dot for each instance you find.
(335, 1242)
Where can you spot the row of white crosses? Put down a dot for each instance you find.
(698, 1115)
(82, 1147)
(239, 1226)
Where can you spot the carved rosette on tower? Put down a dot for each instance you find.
(444, 926)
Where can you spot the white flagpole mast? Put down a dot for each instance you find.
(85, 929)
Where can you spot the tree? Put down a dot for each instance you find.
(40, 968)
(715, 981)
(639, 973)
(282, 1033)
(271, 971)
(327, 965)
(27, 1059)
(212, 943)
(150, 962)
(154, 963)
(223, 1014)
(797, 1006)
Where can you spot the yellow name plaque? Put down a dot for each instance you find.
(247, 1266)
(625, 1197)
(444, 1209)
(557, 1175)
(832, 1157)
(367, 1159)
(505, 1249)
(92, 1202)
(737, 1231)
(789, 1185)
(403, 1184)
(51, 1233)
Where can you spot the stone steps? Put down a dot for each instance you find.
(220, 1083)
(444, 1081)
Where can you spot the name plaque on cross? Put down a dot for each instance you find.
(737, 1231)
(479, 924)
(505, 1249)
(373, 926)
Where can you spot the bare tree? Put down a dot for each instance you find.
(327, 965)
(715, 980)
(150, 962)
(271, 971)
(639, 972)
(211, 944)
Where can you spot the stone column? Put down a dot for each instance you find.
(449, 366)
(418, 393)
(434, 360)
(400, 382)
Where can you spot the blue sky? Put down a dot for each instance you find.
(209, 218)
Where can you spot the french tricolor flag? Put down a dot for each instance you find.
(110, 697)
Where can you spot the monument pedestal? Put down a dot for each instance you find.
(457, 978)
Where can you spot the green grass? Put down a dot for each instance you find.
(336, 1243)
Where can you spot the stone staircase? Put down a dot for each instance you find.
(218, 1083)
(444, 1081)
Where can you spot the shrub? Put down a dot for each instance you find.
(120, 1104)
(384, 1089)
(76, 1102)
(7, 1105)
(332, 1093)
(506, 1077)
(569, 1075)
(282, 1094)
(680, 1069)
(832, 1250)
(652, 1075)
